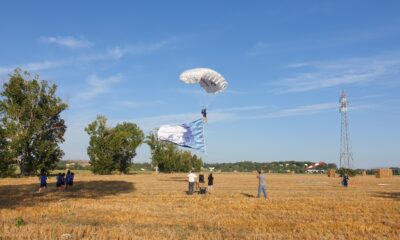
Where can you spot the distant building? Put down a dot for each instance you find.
(315, 171)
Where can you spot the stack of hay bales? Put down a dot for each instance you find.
(384, 173)
(332, 173)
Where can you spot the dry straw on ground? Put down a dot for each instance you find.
(384, 173)
(145, 206)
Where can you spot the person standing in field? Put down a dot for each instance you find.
(63, 181)
(67, 177)
(210, 183)
(192, 179)
(71, 180)
(345, 181)
(43, 181)
(262, 184)
(59, 182)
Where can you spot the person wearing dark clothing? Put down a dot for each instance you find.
(201, 184)
(67, 178)
(43, 182)
(59, 182)
(201, 178)
(204, 113)
(63, 180)
(70, 180)
(345, 181)
(210, 183)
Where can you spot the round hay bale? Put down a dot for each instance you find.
(332, 173)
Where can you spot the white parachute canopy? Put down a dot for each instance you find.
(209, 79)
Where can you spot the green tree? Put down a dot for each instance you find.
(126, 138)
(348, 171)
(169, 158)
(30, 116)
(7, 166)
(100, 151)
(112, 149)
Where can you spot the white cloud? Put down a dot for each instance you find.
(319, 75)
(308, 110)
(116, 53)
(189, 90)
(240, 109)
(67, 41)
(303, 110)
(98, 86)
(296, 111)
(216, 116)
(259, 48)
(34, 66)
(135, 49)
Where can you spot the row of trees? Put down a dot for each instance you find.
(113, 148)
(169, 158)
(31, 130)
(276, 167)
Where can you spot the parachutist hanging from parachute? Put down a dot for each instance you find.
(211, 81)
(204, 113)
(191, 134)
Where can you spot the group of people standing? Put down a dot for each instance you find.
(262, 183)
(200, 184)
(64, 181)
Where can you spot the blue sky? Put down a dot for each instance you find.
(286, 64)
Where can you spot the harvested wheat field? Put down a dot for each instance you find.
(148, 206)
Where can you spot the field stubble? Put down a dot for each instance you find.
(147, 206)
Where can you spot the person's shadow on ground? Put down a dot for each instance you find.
(26, 195)
(248, 195)
(390, 195)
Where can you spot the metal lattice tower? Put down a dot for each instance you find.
(346, 156)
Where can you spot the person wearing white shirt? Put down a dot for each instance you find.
(192, 179)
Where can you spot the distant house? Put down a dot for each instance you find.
(82, 163)
(315, 171)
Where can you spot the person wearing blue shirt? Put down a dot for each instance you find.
(59, 182)
(43, 181)
(345, 181)
(67, 179)
(71, 180)
(63, 180)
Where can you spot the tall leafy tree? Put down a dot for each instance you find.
(7, 166)
(30, 115)
(169, 158)
(112, 149)
(99, 151)
(126, 138)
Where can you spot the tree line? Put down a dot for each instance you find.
(31, 130)
(275, 167)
